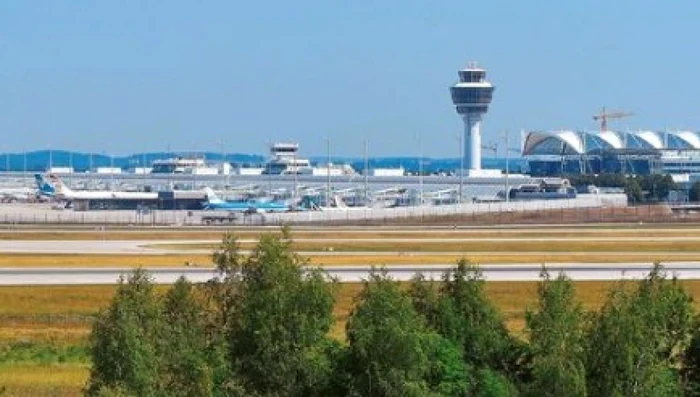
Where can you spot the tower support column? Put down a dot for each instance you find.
(472, 142)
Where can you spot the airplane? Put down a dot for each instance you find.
(8, 194)
(337, 204)
(214, 202)
(61, 191)
(44, 188)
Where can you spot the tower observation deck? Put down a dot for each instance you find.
(471, 96)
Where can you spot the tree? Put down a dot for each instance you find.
(387, 347)
(465, 316)
(448, 375)
(278, 317)
(123, 343)
(635, 342)
(557, 340)
(185, 370)
(694, 193)
(493, 384)
(221, 297)
(691, 365)
(633, 190)
(425, 298)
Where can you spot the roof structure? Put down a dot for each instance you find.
(564, 142)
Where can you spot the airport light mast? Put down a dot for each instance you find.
(472, 96)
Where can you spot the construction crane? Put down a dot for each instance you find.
(603, 116)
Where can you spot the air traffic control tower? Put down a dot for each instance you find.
(471, 97)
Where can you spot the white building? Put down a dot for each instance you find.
(387, 172)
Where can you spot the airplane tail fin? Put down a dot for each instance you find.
(59, 186)
(211, 195)
(44, 187)
(339, 202)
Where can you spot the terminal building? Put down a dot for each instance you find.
(554, 153)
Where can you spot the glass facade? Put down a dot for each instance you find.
(675, 142)
(551, 146)
(550, 154)
(472, 76)
(477, 95)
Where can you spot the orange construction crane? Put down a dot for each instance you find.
(603, 116)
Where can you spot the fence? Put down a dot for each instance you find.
(585, 208)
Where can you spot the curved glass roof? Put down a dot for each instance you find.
(578, 142)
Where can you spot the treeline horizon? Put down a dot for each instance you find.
(38, 160)
(262, 329)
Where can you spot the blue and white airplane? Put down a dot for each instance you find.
(214, 202)
(45, 188)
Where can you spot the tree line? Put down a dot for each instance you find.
(639, 188)
(262, 329)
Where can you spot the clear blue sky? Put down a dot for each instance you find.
(127, 76)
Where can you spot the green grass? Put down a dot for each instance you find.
(41, 353)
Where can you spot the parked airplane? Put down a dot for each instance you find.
(45, 188)
(61, 191)
(8, 194)
(337, 204)
(214, 202)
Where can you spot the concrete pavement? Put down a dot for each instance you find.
(350, 274)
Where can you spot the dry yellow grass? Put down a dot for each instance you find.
(102, 260)
(46, 300)
(43, 380)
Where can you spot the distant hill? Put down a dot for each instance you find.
(430, 165)
(40, 160)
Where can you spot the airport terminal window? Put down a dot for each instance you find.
(675, 142)
(595, 142)
(551, 146)
(472, 95)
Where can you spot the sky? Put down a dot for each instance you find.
(129, 76)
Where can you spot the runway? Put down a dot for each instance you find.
(352, 274)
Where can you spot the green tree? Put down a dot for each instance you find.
(691, 365)
(633, 190)
(185, 370)
(387, 345)
(278, 317)
(123, 343)
(658, 186)
(557, 340)
(465, 316)
(694, 193)
(425, 297)
(221, 297)
(493, 384)
(636, 341)
(448, 375)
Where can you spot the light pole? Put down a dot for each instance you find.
(24, 159)
(328, 171)
(420, 167)
(460, 136)
(505, 138)
(296, 177)
(366, 172)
